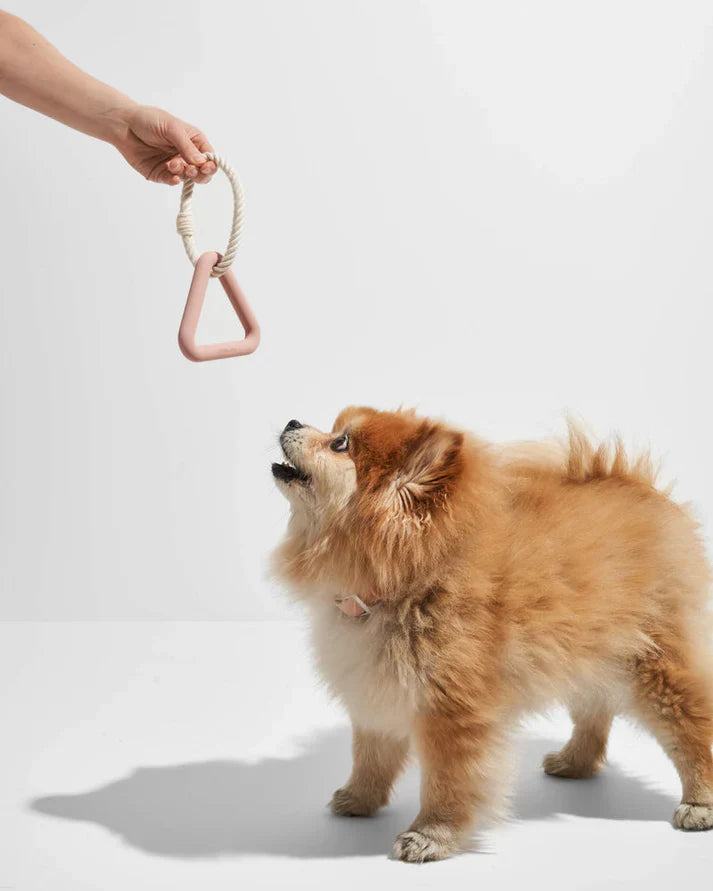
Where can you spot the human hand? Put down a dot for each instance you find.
(164, 148)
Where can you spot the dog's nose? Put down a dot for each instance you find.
(292, 425)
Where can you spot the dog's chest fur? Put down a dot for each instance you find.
(368, 664)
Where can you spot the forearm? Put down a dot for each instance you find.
(37, 75)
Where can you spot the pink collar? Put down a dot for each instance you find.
(352, 606)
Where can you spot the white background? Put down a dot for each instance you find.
(496, 212)
(493, 211)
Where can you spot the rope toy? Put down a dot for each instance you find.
(214, 265)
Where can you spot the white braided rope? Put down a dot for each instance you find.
(184, 220)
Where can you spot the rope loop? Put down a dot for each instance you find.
(184, 220)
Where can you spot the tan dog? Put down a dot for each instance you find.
(454, 586)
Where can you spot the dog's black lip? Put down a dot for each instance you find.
(287, 473)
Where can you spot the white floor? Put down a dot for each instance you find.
(201, 756)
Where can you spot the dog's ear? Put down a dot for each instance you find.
(432, 465)
(351, 415)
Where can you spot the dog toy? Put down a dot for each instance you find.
(214, 265)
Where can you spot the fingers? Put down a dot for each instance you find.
(202, 177)
(206, 171)
(176, 166)
(175, 170)
(165, 177)
(201, 141)
(169, 173)
(189, 152)
(202, 174)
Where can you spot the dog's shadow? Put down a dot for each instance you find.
(277, 806)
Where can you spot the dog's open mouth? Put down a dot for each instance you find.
(288, 473)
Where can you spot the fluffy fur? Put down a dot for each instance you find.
(499, 581)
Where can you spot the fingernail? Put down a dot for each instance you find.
(191, 171)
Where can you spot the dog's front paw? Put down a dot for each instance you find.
(347, 803)
(693, 817)
(420, 846)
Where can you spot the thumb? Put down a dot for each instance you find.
(187, 150)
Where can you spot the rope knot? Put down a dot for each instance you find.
(184, 224)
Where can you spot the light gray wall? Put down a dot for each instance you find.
(493, 211)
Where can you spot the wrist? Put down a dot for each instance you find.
(114, 121)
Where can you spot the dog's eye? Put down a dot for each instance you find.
(340, 444)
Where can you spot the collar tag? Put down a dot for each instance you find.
(353, 606)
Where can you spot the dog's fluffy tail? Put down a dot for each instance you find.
(586, 460)
(579, 458)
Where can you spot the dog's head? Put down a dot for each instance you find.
(385, 473)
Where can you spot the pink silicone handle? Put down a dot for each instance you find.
(191, 314)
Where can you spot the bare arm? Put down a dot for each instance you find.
(160, 146)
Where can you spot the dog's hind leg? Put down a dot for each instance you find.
(585, 752)
(675, 702)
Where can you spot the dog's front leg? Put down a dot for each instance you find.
(459, 757)
(378, 760)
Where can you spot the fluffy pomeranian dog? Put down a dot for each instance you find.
(455, 585)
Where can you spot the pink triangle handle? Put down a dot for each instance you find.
(194, 304)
